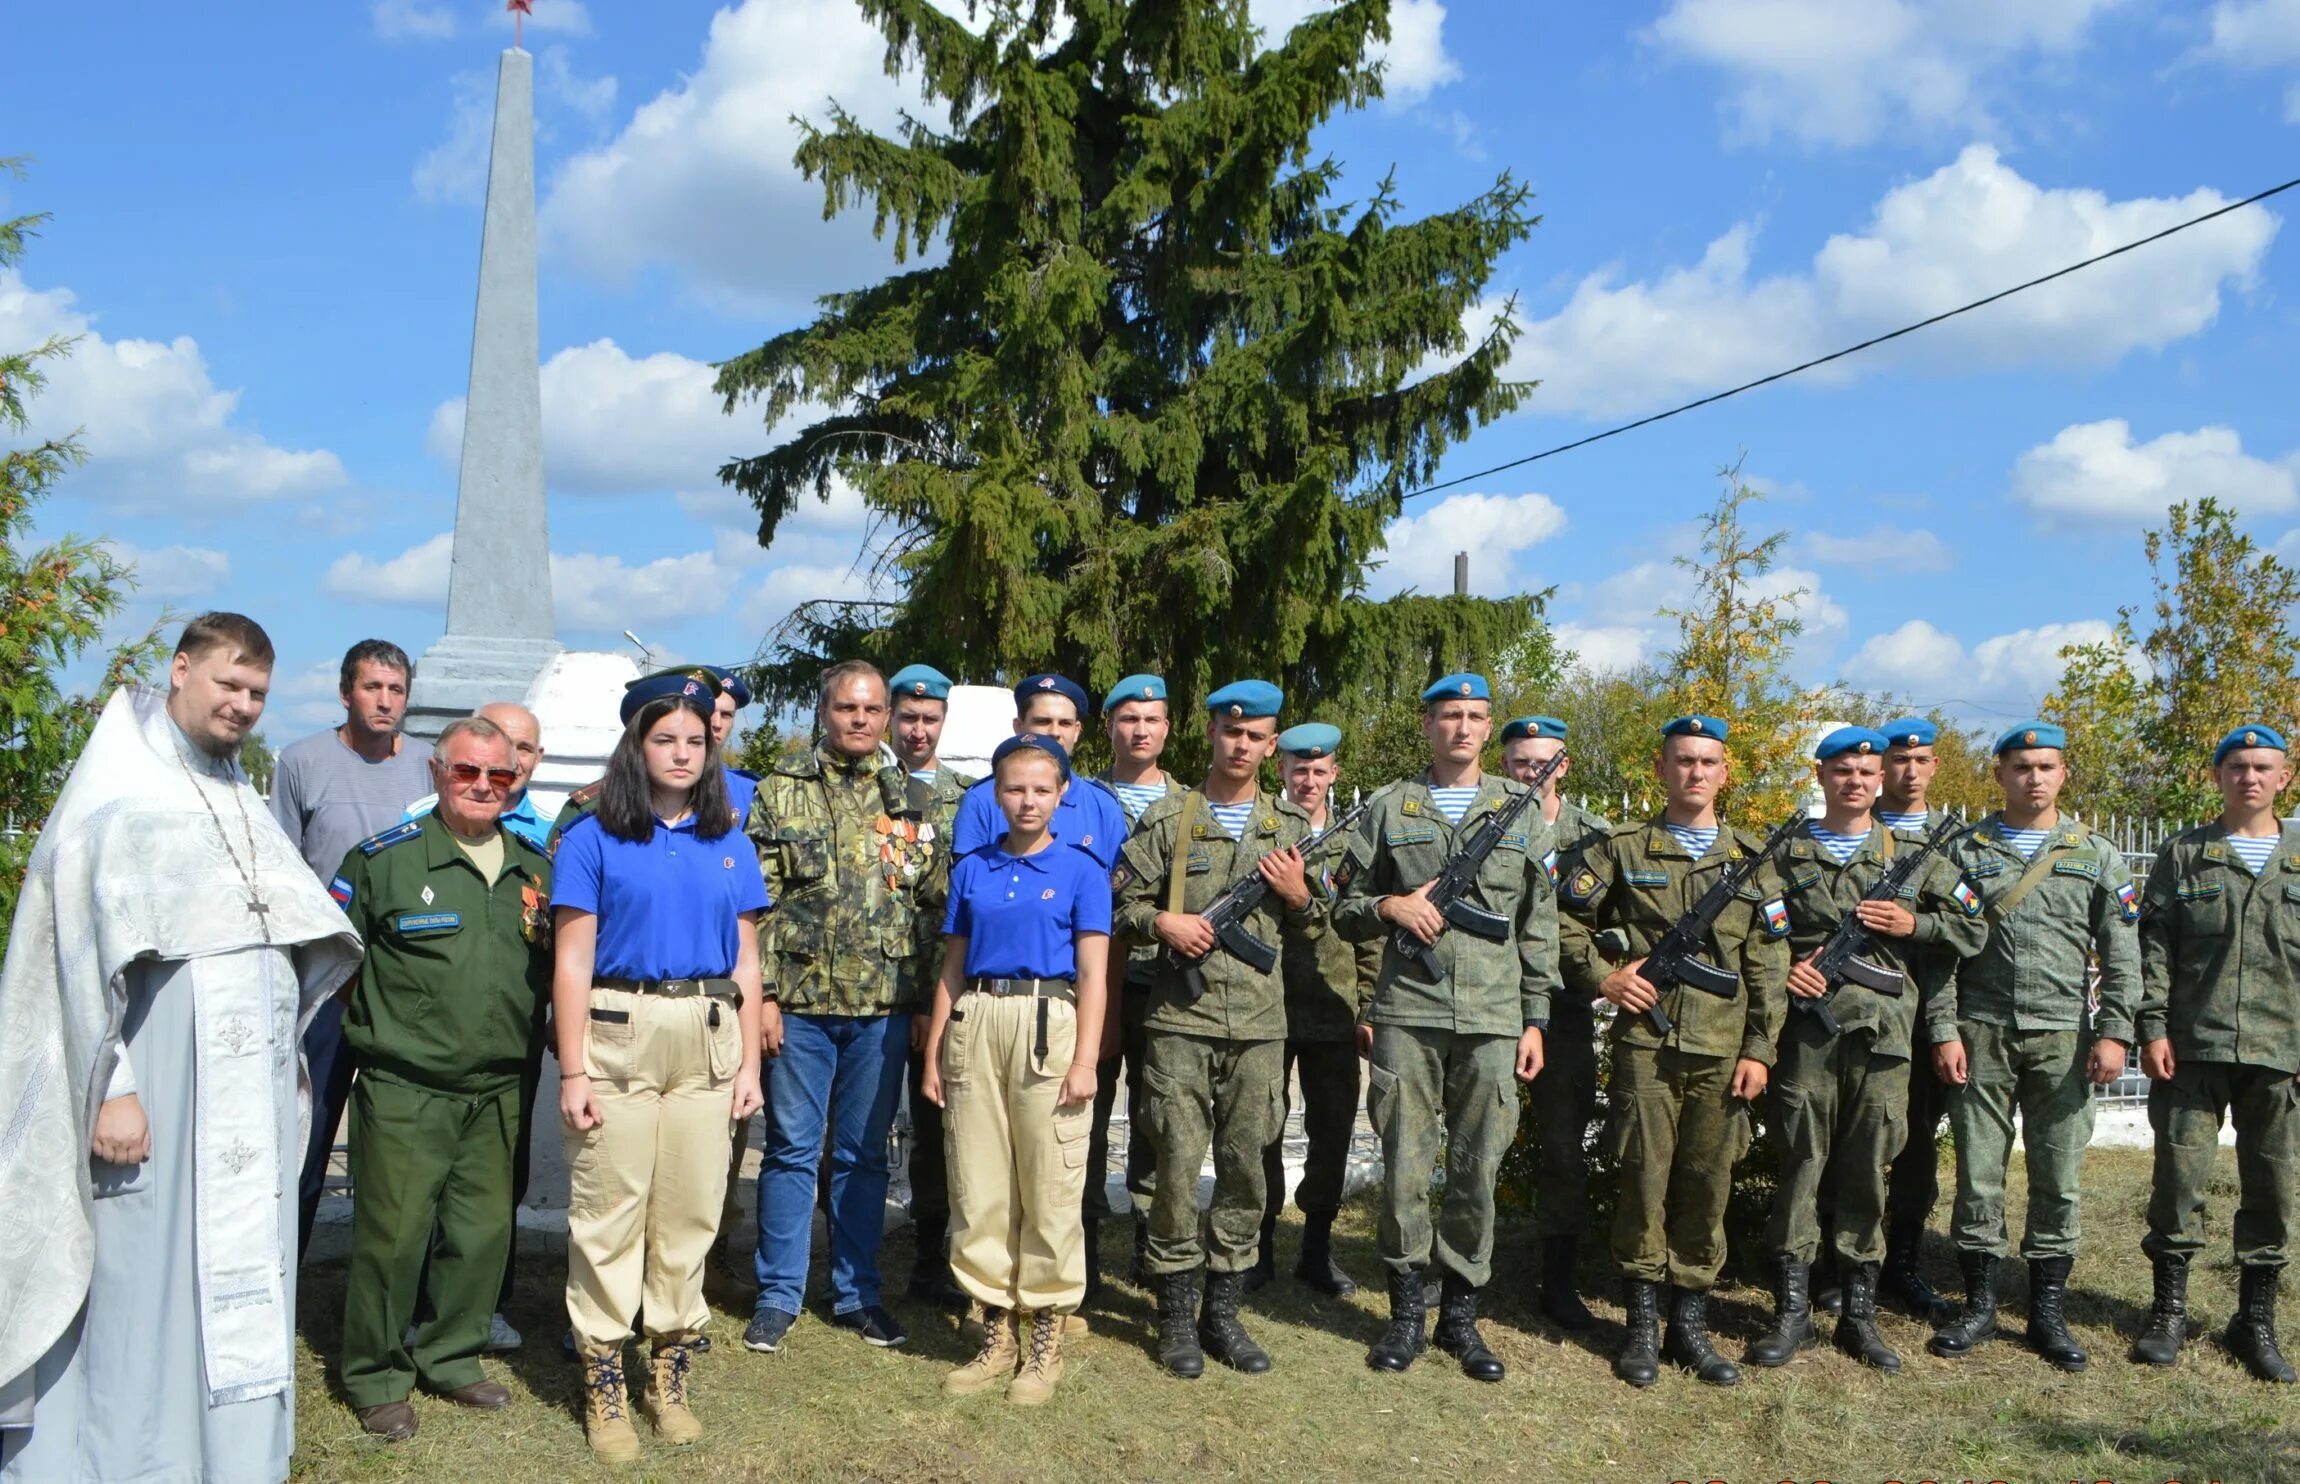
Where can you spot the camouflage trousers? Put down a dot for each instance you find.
(2186, 1113)
(1675, 1131)
(1429, 1089)
(1141, 1160)
(2040, 1074)
(1915, 1186)
(1329, 1073)
(1201, 1092)
(1833, 1107)
(1564, 1100)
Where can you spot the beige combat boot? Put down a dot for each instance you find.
(666, 1399)
(1041, 1363)
(607, 1406)
(993, 1363)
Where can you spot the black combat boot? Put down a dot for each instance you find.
(930, 1266)
(1561, 1301)
(1687, 1343)
(1138, 1271)
(1265, 1258)
(1457, 1332)
(1219, 1330)
(1902, 1283)
(1402, 1341)
(1976, 1322)
(1639, 1362)
(1178, 1349)
(2048, 1332)
(2251, 1334)
(1094, 1287)
(1792, 1329)
(2167, 1327)
(1828, 1281)
(1316, 1266)
(1857, 1326)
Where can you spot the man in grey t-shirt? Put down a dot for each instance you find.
(330, 792)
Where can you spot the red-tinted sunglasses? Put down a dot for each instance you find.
(470, 773)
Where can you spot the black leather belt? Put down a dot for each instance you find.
(1064, 990)
(676, 989)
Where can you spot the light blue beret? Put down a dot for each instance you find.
(920, 683)
(1696, 726)
(2252, 736)
(2032, 734)
(1859, 741)
(1247, 698)
(1311, 739)
(1463, 687)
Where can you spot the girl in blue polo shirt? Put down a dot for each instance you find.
(656, 1000)
(1010, 1058)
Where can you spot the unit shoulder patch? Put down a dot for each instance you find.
(1582, 885)
(2128, 902)
(1966, 898)
(1776, 918)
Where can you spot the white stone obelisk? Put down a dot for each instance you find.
(500, 633)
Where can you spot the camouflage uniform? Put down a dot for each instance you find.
(929, 1169)
(1847, 1095)
(1675, 1129)
(2019, 1007)
(1326, 993)
(2220, 974)
(1563, 1099)
(1211, 1071)
(1914, 1187)
(1130, 1004)
(1445, 1050)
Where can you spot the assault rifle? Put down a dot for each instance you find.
(1677, 959)
(1449, 890)
(1844, 958)
(1227, 913)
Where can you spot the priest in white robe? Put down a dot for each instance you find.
(167, 950)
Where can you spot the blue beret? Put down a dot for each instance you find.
(1522, 727)
(2252, 736)
(1910, 731)
(1859, 741)
(2031, 734)
(1039, 685)
(1134, 688)
(731, 681)
(920, 683)
(1252, 699)
(1310, 739)
(1463, 687)
(1030, 742)
(1696, 726)
(698, 685)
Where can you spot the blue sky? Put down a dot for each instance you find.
(267, 227)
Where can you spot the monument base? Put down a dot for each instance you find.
(463, 672)
(577, 701)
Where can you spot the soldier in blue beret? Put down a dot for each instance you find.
(1326, 988)
(1136, 717)
(1214, 1042)
(2012, 1030)
(1463, 687)
(1528, 728)
(1088, 818)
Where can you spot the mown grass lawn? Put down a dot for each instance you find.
(829, 1407)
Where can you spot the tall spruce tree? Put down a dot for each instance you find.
(1157, 403)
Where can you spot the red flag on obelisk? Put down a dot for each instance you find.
(520, 10)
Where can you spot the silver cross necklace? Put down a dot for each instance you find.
(255, 900)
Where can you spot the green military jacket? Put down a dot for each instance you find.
(1329, 984)
(2220, 952)
(1488, 989)
(458, 969)
(856, 860)
(1141, 958)
(1571, 834)
(1819, 894)
(1239, 1004)
(1639, 880)
(2030, 973)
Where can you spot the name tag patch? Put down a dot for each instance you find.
(2197, 891)
(2077, 865)
(426, 924)
(1422, 836)
(1646, 878)
(1982, 869)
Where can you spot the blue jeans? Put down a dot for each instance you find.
(841, 1073)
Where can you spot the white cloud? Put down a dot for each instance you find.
(455, 169)
(2002, 677)
(173, 573)
(1845, 72)
(417, 577)
(590, 592)
(566, 17)
(2256, 33)
(1606, 649)
(1621, 622)
(1416, 60)
(410, 20)
(1419, 549)
(1971, 228)
(614, 423)
(160, 434)
(1880, 548)
(2096, 472)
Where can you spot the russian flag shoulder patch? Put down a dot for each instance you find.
(340, 890)
(1967, 898)
(1777, 918)
(2128, 901)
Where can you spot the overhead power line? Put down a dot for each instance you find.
(1875, 340)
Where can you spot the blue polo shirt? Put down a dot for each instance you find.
(667, 908)
(742, 787)
(1020, 914)
(1088, 818)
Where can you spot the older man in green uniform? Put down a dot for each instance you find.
(1213, 1061)
(444, 1017)
(1679, 1101)
(1443, 1048)
(1564, 1096)
(1325, 993)
(2009, 1034)
(2219, 1034)
(1841, 1084)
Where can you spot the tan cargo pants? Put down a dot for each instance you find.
(1017, 1160)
